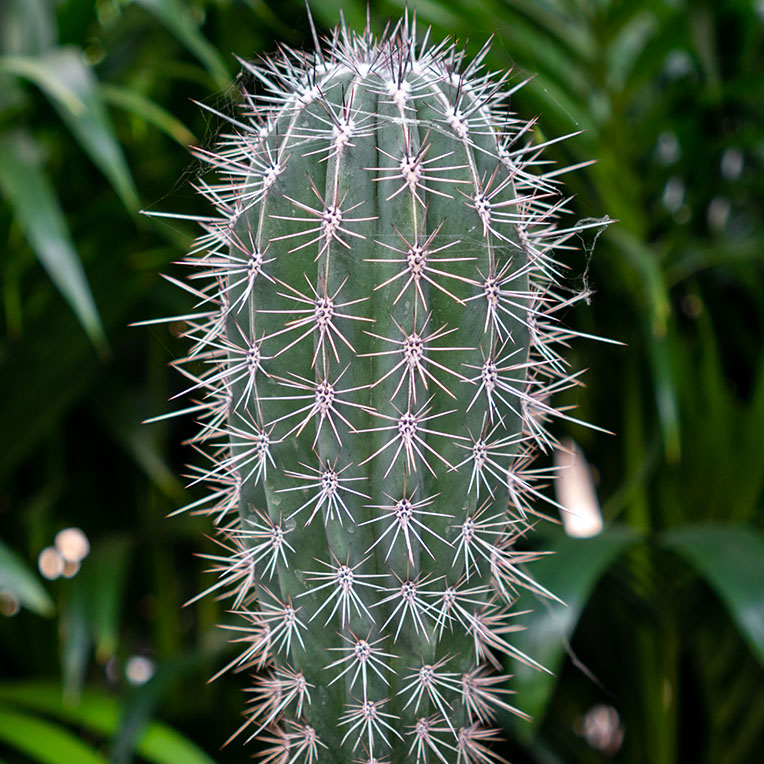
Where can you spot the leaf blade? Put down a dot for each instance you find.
(102, 713)
(17, 577)
(72, 87)
(175, 16)
(731, 560)
(44, 741)
(42, 220)
(153, 113)
(571, 572)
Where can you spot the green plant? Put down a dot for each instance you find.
(374, 353)
(665, 92)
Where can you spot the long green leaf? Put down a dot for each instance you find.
(144, 107)
(17, 578)
(145, 701)
(109, 565)
(72, 88)
(101, 713)
(26, 26)
(44, 741)
(93, 611)
(176, 16)
(657, 327)
(731, 560)
(37, 209)
(100, 585)
(571, 572)
(76, 643)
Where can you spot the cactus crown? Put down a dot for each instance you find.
(374, 350)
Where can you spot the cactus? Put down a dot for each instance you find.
(373, 355)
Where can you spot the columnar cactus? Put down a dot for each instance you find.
(373, 358)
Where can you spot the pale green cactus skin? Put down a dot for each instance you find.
(377, 334)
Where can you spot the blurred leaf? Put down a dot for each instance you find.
(103, 578)
(75, 642)
(434, 11)
(176, 16)
(571, 572)
(272, 20)
(731, 560)
(40, 217)
(70, 84)
(120, 411)
(93, 611)
(18, 578)
(627, 45)
(102, 713)
(328, 12)
(749, 487)
(147, 698)
(44, 741)
(657, 328)
(35, 394)
(27, 27)
(666, 395)
(137, 103)
(163, 745)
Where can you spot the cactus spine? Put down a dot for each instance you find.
(373, 357)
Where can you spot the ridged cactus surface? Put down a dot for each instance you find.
(374, 351)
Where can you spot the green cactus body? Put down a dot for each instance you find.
(377, 337)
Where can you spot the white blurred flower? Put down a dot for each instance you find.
(50, 563)
(602, 729)
(9, 603)
(72, 544)
(575, 491)
(139, 669)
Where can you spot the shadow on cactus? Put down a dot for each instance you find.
(373, 356)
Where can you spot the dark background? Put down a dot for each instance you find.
(663, 638)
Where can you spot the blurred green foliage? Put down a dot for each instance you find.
(665, 617)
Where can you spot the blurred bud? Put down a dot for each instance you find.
(602, 729)
(139, 669)
(683, 214)
(678, 64)
(692, 305)
(72, 544)
(575, 491)
(71, 569)
(718, 213)
(667, 150)
(732, 163)
(50, 563)
(9, 603)
(673, 194)
(111, 669)
(108, 12)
